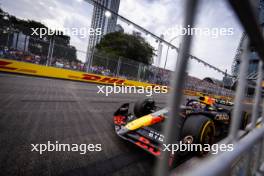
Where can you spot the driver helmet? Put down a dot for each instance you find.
(207, 100)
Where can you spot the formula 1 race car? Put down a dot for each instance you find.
(202, 123)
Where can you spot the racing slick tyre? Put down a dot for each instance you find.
(245, 119)
(198, 129)
(144, 107)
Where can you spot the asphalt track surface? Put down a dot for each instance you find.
(36, 110)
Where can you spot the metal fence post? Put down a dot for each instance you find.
(240, 91)
(118, 67)
(51, 54)
(8, 36)
(221, 163)
(48, 55)
(107, 62)
(260, 152)
(258, 164)
(258, 92)
(255, 112)
(139, 71)
(172, 125)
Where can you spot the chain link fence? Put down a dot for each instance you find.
(50, 52)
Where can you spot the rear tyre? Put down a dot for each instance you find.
(245, 119)
(201, 129)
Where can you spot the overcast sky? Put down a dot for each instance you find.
(156, 16)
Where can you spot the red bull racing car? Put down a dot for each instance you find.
(202, 123)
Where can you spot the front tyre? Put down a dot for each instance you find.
(144, 107)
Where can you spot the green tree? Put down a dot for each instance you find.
(128, 46)
(37, 45)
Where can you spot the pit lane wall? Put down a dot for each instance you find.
(12, 66)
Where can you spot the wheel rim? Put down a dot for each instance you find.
(207, 136)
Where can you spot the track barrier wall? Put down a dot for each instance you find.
(12, 66)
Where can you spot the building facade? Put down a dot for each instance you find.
(107, 23)
(119, 28)
(253, 60)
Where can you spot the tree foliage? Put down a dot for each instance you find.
(62, 48)
(127, 46)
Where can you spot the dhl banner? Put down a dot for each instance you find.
(13, 66)
(52, 72)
